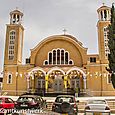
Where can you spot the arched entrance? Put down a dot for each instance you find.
(55, 81)
(37, 81)
(76, 80)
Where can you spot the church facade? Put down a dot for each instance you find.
(58, 64)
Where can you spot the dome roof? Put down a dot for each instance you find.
(65, 37)
(16, 12)
(103, 8)
(72, 37)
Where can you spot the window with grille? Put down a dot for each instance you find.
(12, 36)
(9, 79)
(107, 51)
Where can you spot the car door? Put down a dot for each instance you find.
(8, 103)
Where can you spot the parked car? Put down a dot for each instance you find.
(30, 102)
(5, 104)
(97, 107)
(65, 104)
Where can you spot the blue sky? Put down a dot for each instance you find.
(43, 18)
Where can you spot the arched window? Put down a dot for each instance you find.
(66, 57)
(46, 62)
(105, 14)
(101, 15)
(12, 36)
(70, 62)
(50, 58)
(9, 79)
(62, 56)
(58, 57)
(54, 57)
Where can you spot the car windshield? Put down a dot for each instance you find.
(97, 102)
(64, 99)
(25, 99)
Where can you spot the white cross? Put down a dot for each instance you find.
(103, 4)
(64, 30)
(16, 8)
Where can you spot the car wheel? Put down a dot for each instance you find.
(65, 107)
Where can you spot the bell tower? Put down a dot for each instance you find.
(104, 15)
(14, 39)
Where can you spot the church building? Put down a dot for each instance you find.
(59, 64)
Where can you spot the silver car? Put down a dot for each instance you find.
(97, 107)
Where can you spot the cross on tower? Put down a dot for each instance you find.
(64, 30)
(103, 4)
(16, 8)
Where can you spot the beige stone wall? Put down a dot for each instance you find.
(21, 81)
(97, 84)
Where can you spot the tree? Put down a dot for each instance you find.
(111, 45)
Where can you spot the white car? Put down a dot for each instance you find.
(97, 107)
